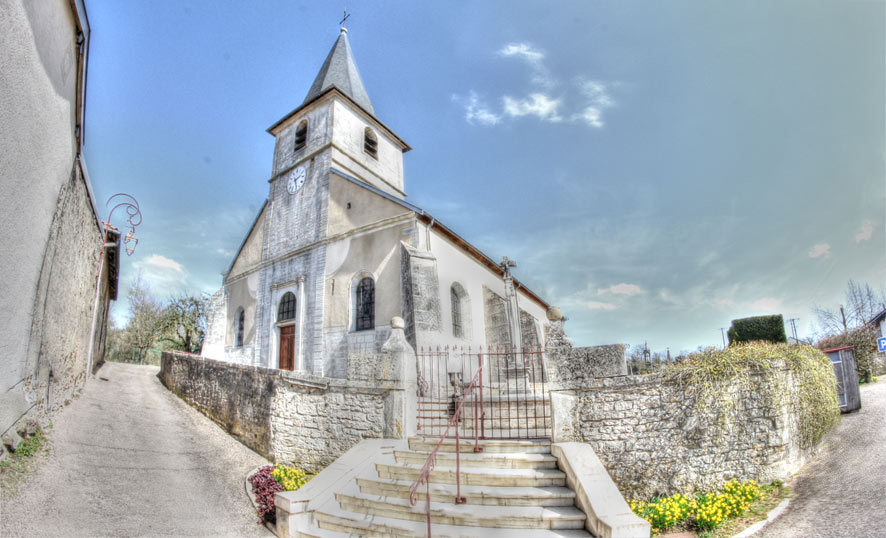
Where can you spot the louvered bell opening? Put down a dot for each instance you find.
(370, 143)
(301, 135)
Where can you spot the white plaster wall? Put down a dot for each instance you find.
(241, 293)
(250, 254)
(38, 74)
(455, 265)
(386, 172)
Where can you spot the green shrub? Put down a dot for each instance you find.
(864, 343)
(765, 328)
(705, 374)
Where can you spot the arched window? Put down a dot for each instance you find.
(364, 307)
(286, 311)
(457, 329)
(461, 311)
(370, 143)
(301, 135)
(241, 321)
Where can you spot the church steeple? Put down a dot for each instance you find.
(340, 71)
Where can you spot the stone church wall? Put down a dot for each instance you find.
(285, 416)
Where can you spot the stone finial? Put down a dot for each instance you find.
(555, 313)
(397, 322)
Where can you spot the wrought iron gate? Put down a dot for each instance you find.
(513, 398)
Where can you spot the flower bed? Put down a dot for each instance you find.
(703, 513)
(268, 481)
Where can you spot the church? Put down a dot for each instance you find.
(336, 251)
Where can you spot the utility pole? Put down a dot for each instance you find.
(793, 322)
(723, 334)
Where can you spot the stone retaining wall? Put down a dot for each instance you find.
(289, 417)
(654, 439)
(574, 367)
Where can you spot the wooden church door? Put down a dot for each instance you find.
(287, 347)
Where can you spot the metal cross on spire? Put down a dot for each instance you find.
(344, 19)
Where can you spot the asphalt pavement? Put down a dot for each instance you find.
(129, 458)
(842, 491)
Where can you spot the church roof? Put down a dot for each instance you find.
(340, 71)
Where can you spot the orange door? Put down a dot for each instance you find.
(287, 347)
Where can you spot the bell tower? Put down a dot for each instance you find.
(336, 124)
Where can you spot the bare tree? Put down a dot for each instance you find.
(861, 304)
(143, 327)
(848, 325)
(183, 323)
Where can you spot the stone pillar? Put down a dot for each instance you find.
(515, 332)
(401, 404)
(300, 325)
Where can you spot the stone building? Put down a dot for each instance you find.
(53, 316)
(337, 251)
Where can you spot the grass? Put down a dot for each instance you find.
(772, 496)
(18, 465)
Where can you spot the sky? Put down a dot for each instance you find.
(656, 169)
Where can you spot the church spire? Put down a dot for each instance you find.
(340, 71)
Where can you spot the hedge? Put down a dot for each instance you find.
(765, 328)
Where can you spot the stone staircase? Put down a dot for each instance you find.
(511, 489)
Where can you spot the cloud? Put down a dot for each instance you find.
(534, 57)
(165, 276)
(822, 250)
(597, 97)
(476, 110)
(867, 229)
(524, 51)
(767, 304)
(621, 289)
(591, 115)
(596, 305)
(159, 262)
(537, 104)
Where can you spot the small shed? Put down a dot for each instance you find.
(843, 361)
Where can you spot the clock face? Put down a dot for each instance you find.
(296, 179)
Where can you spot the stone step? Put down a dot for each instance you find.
(500, 517)
(317, 532)
(490, 446)
(481, 459)
(477, 477)
(482, 495)
(378, 526)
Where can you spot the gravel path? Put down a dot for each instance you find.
(842, 492)
(128, 458)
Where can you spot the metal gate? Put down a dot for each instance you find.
(511, 401)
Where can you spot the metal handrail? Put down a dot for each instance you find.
(424, 477)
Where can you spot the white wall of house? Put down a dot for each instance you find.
(456, 265)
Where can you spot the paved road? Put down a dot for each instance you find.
(842, 492)
(128, 458)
